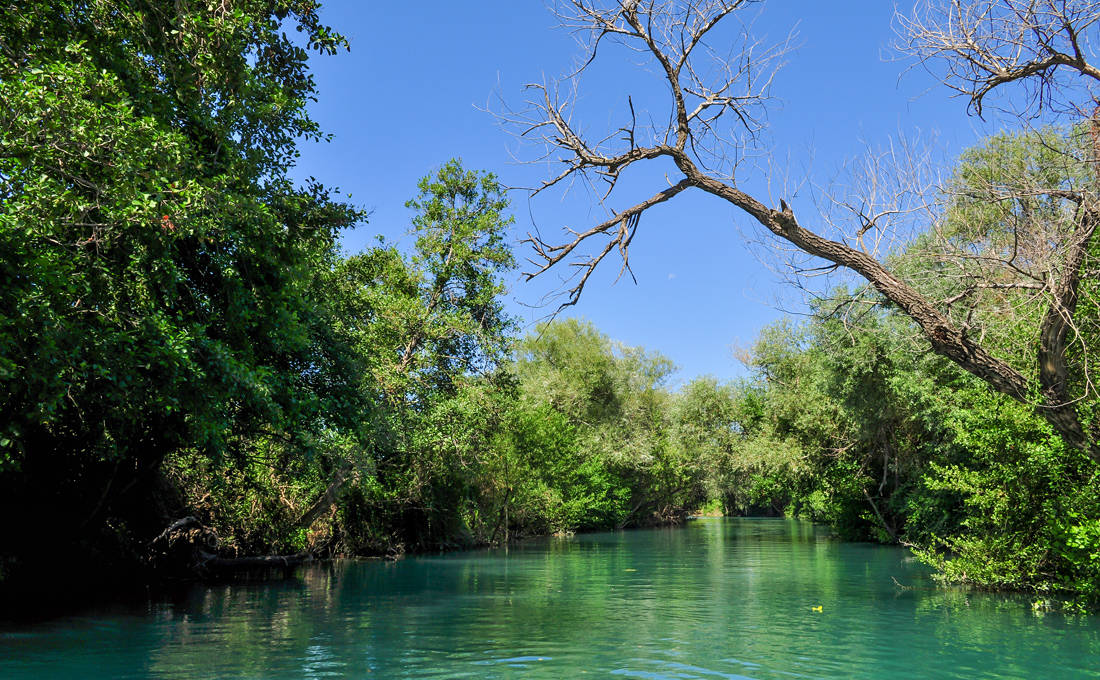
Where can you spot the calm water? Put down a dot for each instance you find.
(717, 599)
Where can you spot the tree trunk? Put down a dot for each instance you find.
(945, 338)
(327, 499)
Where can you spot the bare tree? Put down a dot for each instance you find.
(978, 46)
(716, 100)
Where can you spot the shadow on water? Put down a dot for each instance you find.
(719, 598)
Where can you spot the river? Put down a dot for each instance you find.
(719, 598)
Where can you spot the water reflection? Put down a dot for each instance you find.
(755, 599)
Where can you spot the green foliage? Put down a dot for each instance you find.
(1009, 207)
(850, 427)
(158, 271)
(1026, 505)
(431, 330)
(637, 458)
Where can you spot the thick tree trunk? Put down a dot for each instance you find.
(327, 499)
(946, 339)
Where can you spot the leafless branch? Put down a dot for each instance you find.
(979, 46)
(951, 255)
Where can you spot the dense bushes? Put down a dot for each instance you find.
(885, 443)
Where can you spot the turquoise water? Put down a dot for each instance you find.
(719, 598)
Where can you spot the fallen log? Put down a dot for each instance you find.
(214, 563)
(187, 548)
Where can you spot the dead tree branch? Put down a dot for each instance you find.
(715, 97)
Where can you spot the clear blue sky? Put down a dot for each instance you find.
(411, 94)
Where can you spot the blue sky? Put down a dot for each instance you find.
(413, 91)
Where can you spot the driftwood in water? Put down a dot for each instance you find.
(178, 547)
(210, 562)
(186, 546)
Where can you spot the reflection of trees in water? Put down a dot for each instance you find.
(729, 596)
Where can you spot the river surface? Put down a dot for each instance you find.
(719, 598)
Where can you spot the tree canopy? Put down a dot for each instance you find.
(158, 279)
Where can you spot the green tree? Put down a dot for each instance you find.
(158, 269)
(614, 396)
(433, 332)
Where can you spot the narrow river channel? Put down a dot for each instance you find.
(719, 598)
